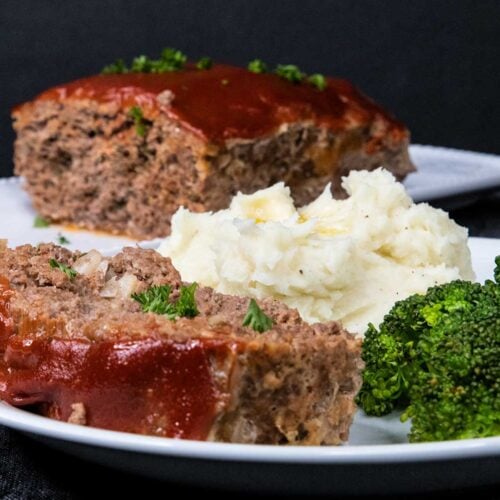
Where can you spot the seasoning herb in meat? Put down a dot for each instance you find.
(81, 349)
(121, 152)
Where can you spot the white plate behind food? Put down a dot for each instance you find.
(444, 172)
(441, 172)
(377, 458)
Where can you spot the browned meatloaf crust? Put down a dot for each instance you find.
(204, 136)
(81, 350)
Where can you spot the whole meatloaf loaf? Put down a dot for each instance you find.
(75, 346)
(121, 152)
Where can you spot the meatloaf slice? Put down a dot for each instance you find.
(122, 152)
(78, 348)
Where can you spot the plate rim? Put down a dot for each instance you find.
(443, 191)
(26, 422)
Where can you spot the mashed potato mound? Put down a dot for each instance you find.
(346, 260)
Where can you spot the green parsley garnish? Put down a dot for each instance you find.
(318, 80)
(140, 125)
(62, 240)
(256, 319)
(40, 222)
(186, 304)
(257, 66)
(169, 60)
(289, 72)
(116, 68)
(68, 271)
(141, 64)
(174, 60)
(204, 63)
(156, 300)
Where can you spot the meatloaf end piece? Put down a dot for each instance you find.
(122, 152)
(81, 350)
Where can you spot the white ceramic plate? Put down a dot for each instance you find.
(377, 458)
(441, 173)
(444, 172)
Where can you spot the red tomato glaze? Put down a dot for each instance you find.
(148, 386)
(227, 102)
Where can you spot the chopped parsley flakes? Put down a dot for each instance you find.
(290, 72)
(169, 60)
(116, 68)
(140, 125)
(62, 240)
(318, 80)
(204, 63)
(257, 66)
(68, 271)
(174, 60)
(40, 222)
(256, 319)
(157, 300)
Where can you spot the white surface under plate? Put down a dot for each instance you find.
(377, 458)
(441, 173)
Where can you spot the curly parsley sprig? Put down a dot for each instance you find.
(157, 300)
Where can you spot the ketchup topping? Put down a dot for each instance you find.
(148, 386)
(155, 386)
(227, 102)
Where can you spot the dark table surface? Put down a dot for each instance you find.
(29, 470)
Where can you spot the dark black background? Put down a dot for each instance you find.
(434, 63)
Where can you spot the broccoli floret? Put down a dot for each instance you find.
(437, 356)
(457, 394)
